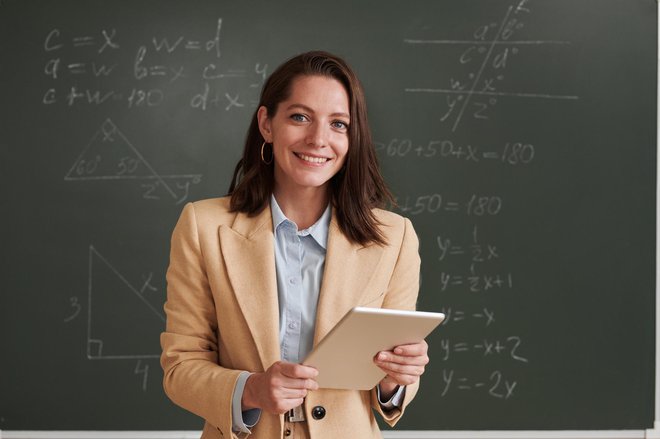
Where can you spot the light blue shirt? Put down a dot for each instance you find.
(299, 262)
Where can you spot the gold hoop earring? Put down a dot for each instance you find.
(262, 155)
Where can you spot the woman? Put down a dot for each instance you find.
(259, 277)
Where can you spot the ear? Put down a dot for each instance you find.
(264, 124)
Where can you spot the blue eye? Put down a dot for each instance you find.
(340, 125)
(298, 117)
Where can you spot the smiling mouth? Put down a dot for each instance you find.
(311, 159)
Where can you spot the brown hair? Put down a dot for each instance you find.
(355, 190)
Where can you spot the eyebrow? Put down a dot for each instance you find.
(309, 110)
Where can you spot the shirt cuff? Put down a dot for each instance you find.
(242, 421)
(394, 401)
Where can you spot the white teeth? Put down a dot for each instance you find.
(313, 159)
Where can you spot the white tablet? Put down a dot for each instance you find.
(344, 357)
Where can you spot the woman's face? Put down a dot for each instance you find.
(309, 133)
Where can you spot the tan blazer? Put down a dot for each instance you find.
(223, 315)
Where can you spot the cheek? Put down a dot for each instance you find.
(344, 155)
(341, 149)
(279, 151)
(284, 139)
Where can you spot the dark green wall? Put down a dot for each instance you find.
(519, 138)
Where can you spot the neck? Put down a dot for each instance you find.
(304, 207)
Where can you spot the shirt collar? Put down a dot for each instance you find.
(318, 230)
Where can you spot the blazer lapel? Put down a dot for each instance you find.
(248, 252)
(348, 270)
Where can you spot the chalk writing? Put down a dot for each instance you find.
(143, 370)
(511, 153)
(96, 347)
(98, 265)
(111, 156)
(453, 315)
(477, 205)
(487, 347)
(146, 285)
(490, 51)
(476, 251)
(153, 66)
(495, 385)
(73, 301)
(476, 283)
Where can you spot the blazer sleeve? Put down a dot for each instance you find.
(193, 378)
(402, 294)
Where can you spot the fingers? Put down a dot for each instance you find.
(412, 350)
(401, 365)
(280, 388)
(401, 369)
(401, 374)
(411, 354)
(289, 393)
(401, 379)
(295, 383)
(389, 358)
(297, 376)
(405, 363)
(294, 370)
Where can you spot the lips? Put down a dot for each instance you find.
(310, 159)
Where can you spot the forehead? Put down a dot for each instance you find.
(318, 92)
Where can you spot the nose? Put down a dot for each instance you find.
(316, 135)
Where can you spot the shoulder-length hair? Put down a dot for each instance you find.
(355, 190)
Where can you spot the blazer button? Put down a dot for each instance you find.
(318, 412)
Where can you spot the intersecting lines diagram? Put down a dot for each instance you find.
(110, 156)
(122, 324)
(487, 57)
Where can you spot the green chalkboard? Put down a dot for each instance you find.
(519, 137)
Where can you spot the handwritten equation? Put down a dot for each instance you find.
(476, 205)
(508, 347)
(495, 384)
(511, 153)
(470, 330)
(475, 282)
(153, 69)
(484, 315)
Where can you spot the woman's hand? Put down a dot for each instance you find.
(404, 365)
(282, 387)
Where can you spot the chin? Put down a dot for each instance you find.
(314, 180)
(313, 184)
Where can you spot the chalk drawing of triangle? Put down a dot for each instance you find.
(110, 156)
(122, 323)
